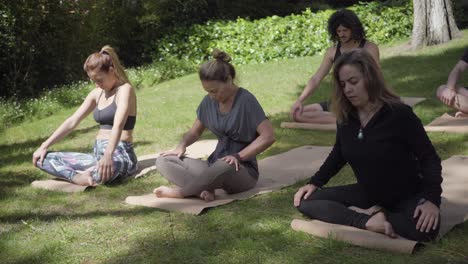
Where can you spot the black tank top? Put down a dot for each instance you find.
(105, 117)
(338, 49)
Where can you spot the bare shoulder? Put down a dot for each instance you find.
(331, 51)
(371, 45)
(125, 88)
(330, 54)
(94, 94)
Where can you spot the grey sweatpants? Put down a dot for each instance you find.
(194, 176)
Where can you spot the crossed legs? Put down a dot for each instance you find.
(194, 177)
(335, 205)
(460, 102)
(314, 113)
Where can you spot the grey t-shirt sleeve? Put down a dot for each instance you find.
(202, 109)
(254, 112)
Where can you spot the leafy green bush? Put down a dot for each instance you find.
(50, 102)
(276, 37)
(149, 75)
(181, 52)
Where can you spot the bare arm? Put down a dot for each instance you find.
(67, 126)
(265, 139)
(73, 121)
(193, 134)
(322, 71)
(373, 50)
(314, 82)
(455, 74)
(188, 139)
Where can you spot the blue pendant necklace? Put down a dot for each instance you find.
(365, 120)
(360, 135)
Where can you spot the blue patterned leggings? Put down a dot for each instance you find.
(66, 165)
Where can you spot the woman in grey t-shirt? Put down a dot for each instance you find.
(234, 115)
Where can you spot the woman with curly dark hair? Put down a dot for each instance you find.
(347, 32)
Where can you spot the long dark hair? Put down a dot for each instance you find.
(377, 89)
(347, 19)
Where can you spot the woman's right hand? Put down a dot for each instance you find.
(39, 154)
(179, 151)
(296, 108)
(304, 191)
(448, 96)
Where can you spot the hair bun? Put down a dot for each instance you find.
(221, 55)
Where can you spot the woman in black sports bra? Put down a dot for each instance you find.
(114, 105)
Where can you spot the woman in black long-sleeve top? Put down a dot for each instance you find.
(394, 162)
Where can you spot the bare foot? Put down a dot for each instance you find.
(167, 192)
(84, 179)
(461, 114)
(367, 211)
(378, 223)
(207, 196)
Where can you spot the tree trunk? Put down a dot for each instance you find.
(433, 23)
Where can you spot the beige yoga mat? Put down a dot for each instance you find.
(59, 186)
(355, 236)
(146, 164)
(453, 209)
(276, 172)
(448, 123)
(323, 127)
(411, 101)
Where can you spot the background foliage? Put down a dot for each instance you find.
(45, 42)
(277, 37)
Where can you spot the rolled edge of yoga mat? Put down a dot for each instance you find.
(447, 129)
(354, 236)
(412, 101)
(58, 185)
(324, 127)
(193, 206)
(449, 124)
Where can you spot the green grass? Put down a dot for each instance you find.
(38, 226)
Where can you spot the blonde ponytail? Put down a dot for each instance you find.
(103, 60)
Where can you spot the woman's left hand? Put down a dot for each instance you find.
(428, 214)
(106, 168)
(231, 160)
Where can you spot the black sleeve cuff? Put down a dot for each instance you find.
(315, 182)
(435, 199)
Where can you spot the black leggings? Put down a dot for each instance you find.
(331, 205)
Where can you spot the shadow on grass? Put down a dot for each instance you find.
(222, 235)
(20, 152)
(69, 213)
(12, 179)
(420, 75)
(42, 256)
